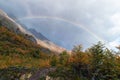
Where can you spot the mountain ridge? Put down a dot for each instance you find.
(37, 34)
(8, 22)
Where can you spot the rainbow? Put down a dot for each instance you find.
(64, 20)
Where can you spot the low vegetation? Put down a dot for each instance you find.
(95, 63)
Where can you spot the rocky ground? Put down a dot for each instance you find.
(18, 73)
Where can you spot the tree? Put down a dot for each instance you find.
(97, 53)
(109, 67)
(54, 60)
(77, 49)
(63, 58)
(79, 62)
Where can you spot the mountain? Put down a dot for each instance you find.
(37, 34)
(6, 21)
(11, 42)
(16, 40)
(9, 23)
(45, 42)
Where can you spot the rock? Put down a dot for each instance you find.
(42, 73)
(25, 76)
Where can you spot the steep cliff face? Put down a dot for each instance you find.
(8, 22)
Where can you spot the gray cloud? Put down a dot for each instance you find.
(102, 17)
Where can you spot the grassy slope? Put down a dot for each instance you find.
(15, 50)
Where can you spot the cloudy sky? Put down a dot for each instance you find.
(96, 20)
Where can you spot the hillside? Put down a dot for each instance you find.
(15, 44)
(8, 22)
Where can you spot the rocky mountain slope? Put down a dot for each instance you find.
(18, 29)
(38, 34)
